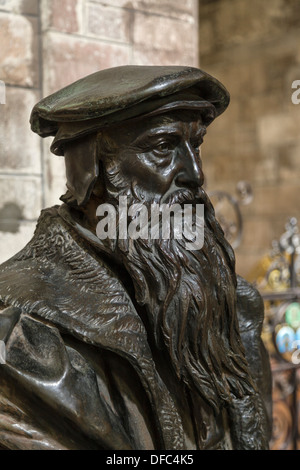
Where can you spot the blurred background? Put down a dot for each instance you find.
(251, 155)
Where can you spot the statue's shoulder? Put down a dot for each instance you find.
(48, 236)
(250, 306)
(52, 258)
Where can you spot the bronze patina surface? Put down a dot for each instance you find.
(133, 343)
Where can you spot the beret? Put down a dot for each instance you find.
(120, 93)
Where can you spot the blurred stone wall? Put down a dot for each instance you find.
(253, 48)
(47, 44)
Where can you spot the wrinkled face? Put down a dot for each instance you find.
(186, 297)
(160, 155)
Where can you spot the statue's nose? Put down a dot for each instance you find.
(190, 173)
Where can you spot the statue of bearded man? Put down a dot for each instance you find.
(132, 343)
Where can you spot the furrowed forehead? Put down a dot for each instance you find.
(132, 128)
(174, 116)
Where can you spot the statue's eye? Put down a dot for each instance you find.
(163, 147)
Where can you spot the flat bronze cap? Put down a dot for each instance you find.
(120, 93)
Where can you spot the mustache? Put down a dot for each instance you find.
(187, 196)
(174, 195)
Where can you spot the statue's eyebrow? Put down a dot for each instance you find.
(158, 131)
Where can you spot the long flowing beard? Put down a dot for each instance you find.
(190, 300)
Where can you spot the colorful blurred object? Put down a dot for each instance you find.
(278, 279)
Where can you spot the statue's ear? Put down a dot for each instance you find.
(82, 167)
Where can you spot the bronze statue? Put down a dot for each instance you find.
(130, 342)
